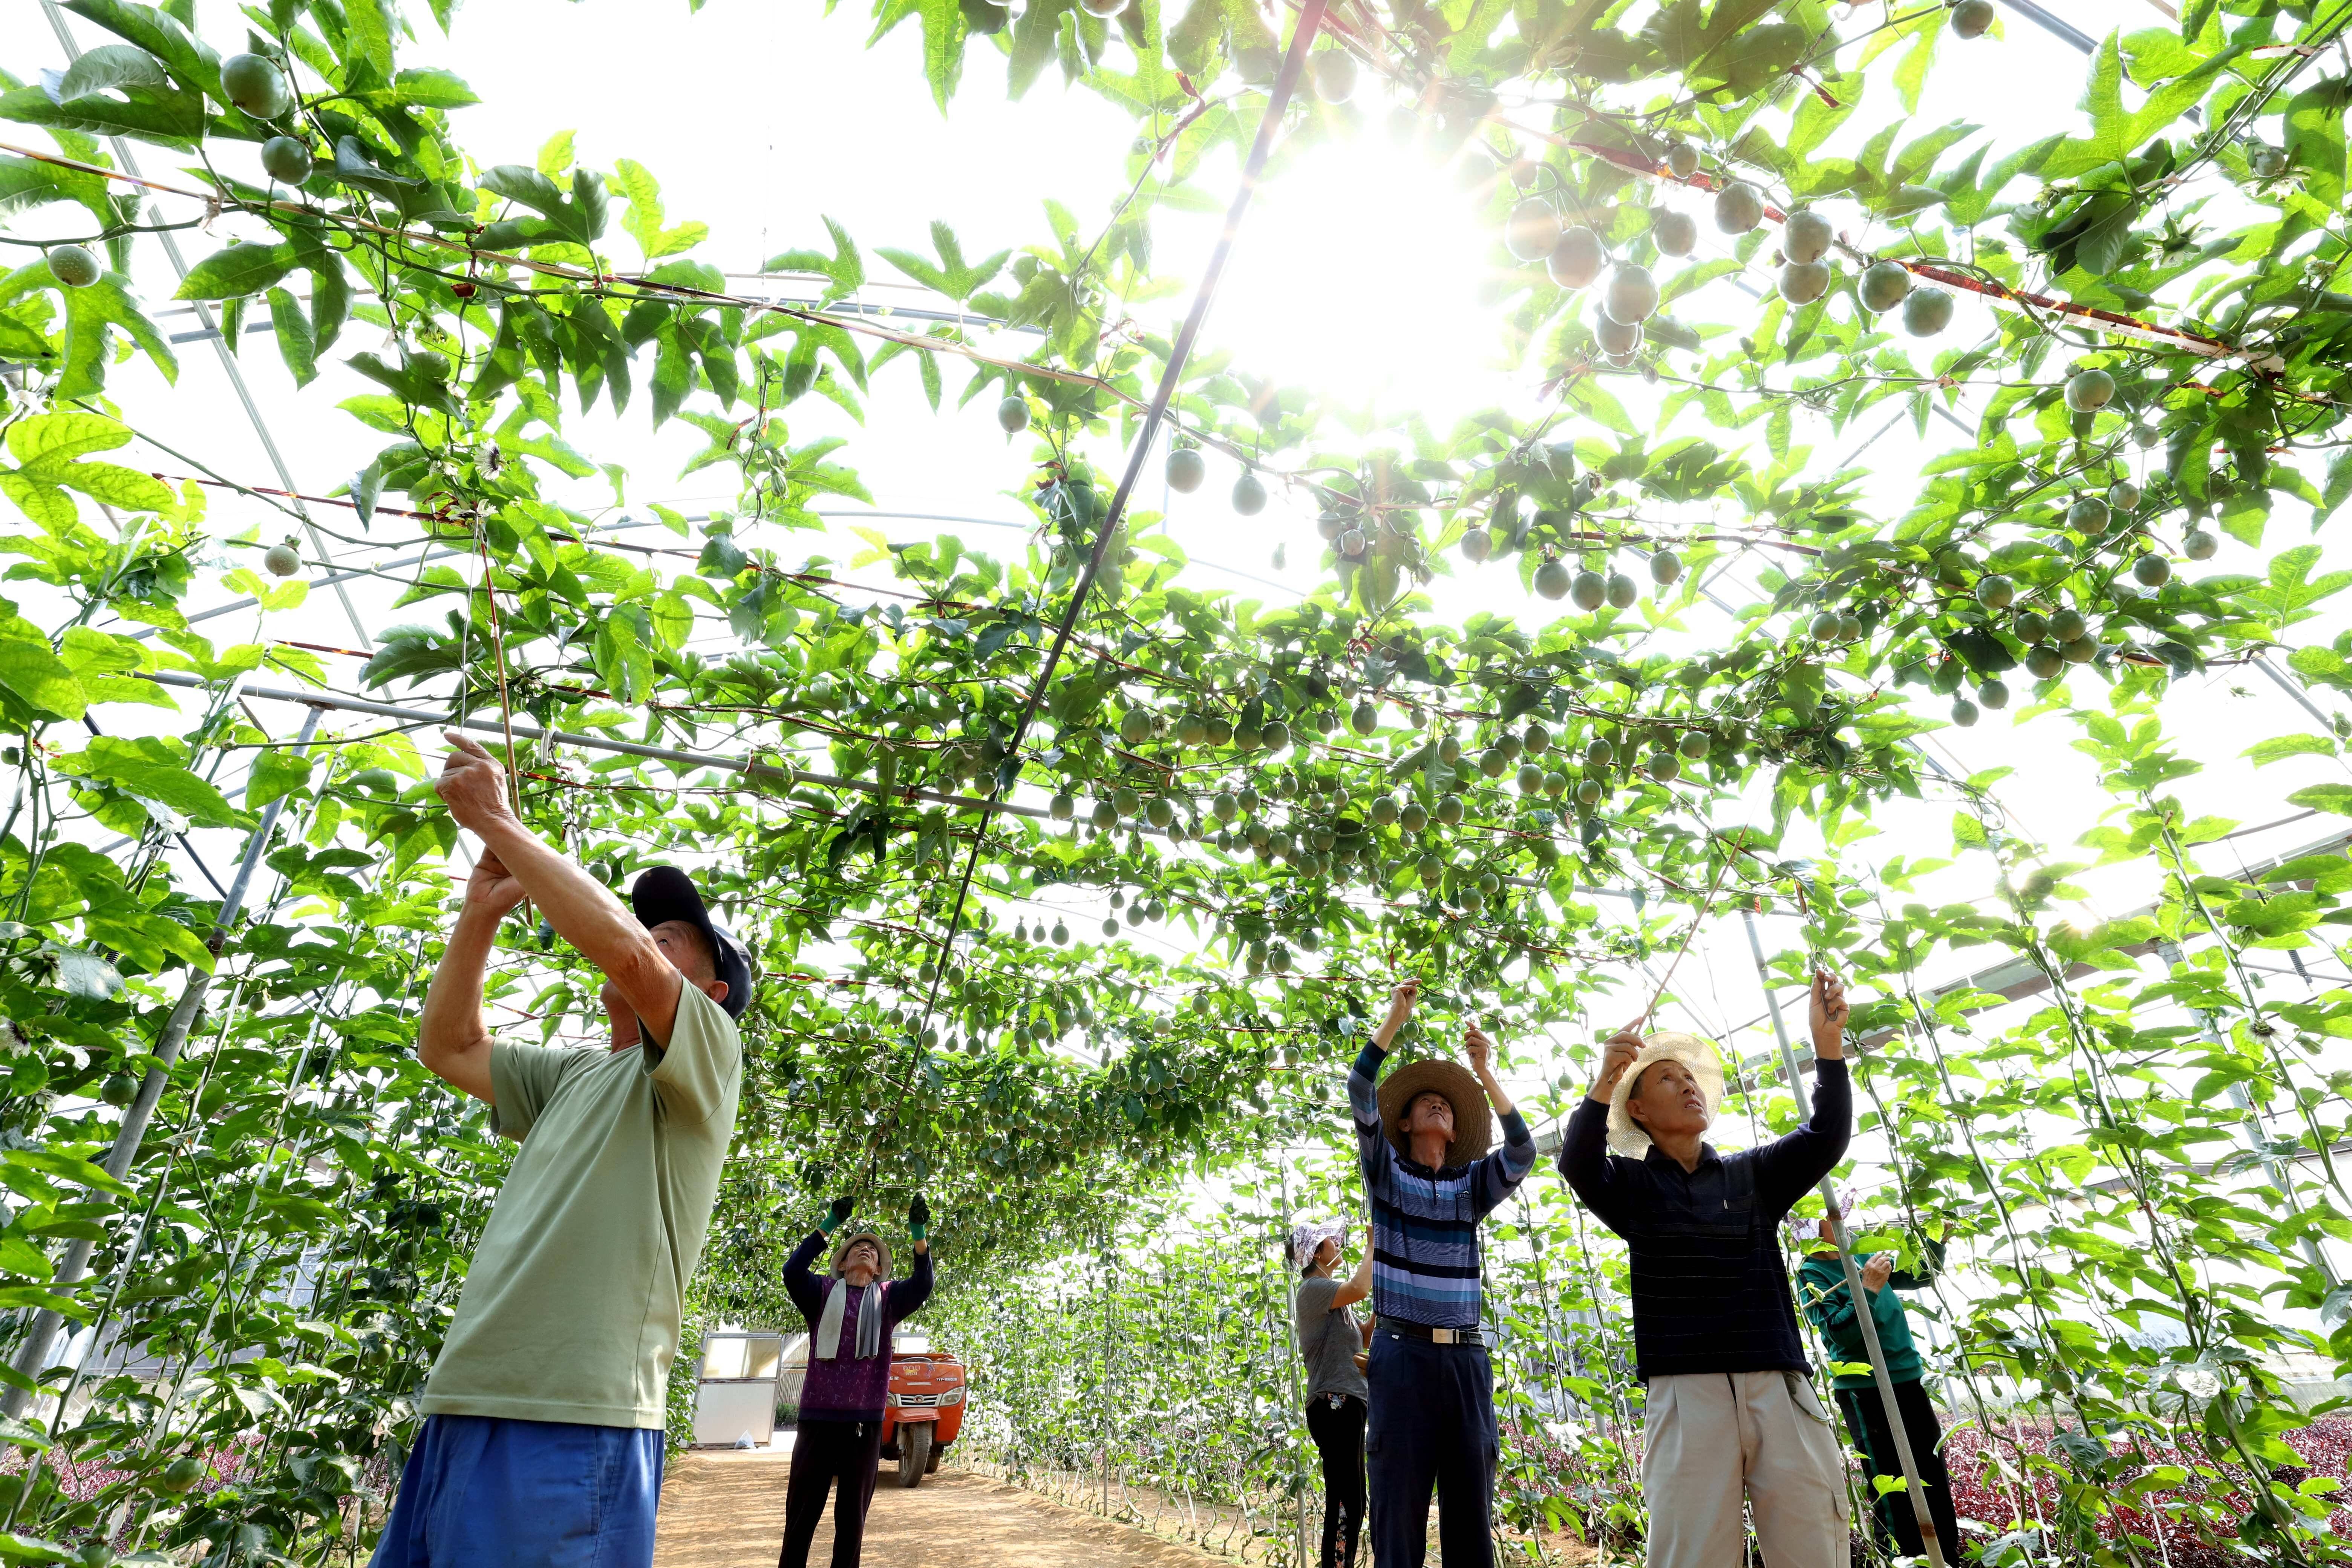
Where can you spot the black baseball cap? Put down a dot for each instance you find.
(664, 893)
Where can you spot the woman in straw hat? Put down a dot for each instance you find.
(837, 1440)
(1331, 1343)
(1422, 1137)
(1730, 1408)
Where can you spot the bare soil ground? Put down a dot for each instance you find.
(723, 1509)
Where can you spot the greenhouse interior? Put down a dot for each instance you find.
(1145, 558)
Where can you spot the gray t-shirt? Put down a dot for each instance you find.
(1328, 1340)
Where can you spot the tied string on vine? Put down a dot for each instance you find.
(1286, 84)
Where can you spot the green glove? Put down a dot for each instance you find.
(919, 1218)
(841, 1209)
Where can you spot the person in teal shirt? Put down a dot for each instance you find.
(1828, 1302)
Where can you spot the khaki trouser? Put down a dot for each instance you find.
(1711, 1436)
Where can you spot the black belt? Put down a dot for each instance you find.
(1434, 1336)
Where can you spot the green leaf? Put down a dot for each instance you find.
(276, 775)
(424, 87)
(119, 487)
(2332, 797)
(110, 67)
(29, 669)
(368, 34)
(44, 443)
(242, 268)
(292, 329)
(150, 769)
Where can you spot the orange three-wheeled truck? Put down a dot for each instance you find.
(923, 1412)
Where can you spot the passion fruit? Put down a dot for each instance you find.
(1802, 282)
(2200, 545)
(1884, 285)
(282, 560)
(1964, 712)
(1996, 592)
(2067, 625)
(1806, 235)
(1576, 258)
(74, 266)
(1589, 592)
(1531, 230)
(1682, 158)
(1334, 72)
(1993, 693)
(2151, 571)
(1186, 469)
(1972, 19)
(1674, 233)
(2031, 626)
(254, 85)
(1621, 591)
(1738, 207)
(286, 160)
(2043, 662)
(2089, 517)
(1365, 719)
(119, 1089)
(1927, 312)
(1249, 495)
(1614, 337)
(1013, 415)
(2087, 390)
(1666, 568)
(1632, 297)
(1552, 579)
(1477, 544)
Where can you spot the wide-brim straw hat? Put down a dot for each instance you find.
(1473, 1123)
(881, 1247)
(1668, 1044)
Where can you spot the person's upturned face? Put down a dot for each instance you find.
(1667, 1101)
(860, 1263)
(1327, 1256)
(1429, 1113)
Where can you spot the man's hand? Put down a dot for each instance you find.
(1828, 1015)
(1615, 1058)
(842, 1208)
(919, 1221)
(472, 785)
(492, 889)
(1400, 1002)
(1481, 1052)
(1877, 1271)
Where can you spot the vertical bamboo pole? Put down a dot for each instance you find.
(1911, 1483)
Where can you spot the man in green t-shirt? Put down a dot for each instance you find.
(542, 1440)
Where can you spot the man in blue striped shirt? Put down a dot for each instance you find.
(1429, 1179)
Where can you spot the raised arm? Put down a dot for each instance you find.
(1359, 1285)
(1790, 1165)
(1501, 1171)
(1363, 1081)
(1584, 1143)
(580, 909)
(452, 1040)
(906, 1295)
(800, 1281)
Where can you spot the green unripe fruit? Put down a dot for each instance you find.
(1993, 693)
(1927, 312)
(2200, 545)
(1632, 296)
(1477, 544)
(286, 160)
(1537, 739)
(74, 266)
(2043, 661)
(119, 1089)
(1471, 901)
(1588, 591)
(183, 1473)
(2082, 650)
(1529, 778)
(1449, 811)
(1105, 815)
(1552, 579)
(1614, 338)
(254, 85)
(2089, 517)
(1492, 762)
(1694, 746)
(1186, 469)
(1598, 753)
(1806, 237)
(1621, 591)
(1802, 282)
(1509, 746)
(1191, 730)
(2124, 496)
(1013, 415)
(1334, 72)
(1531, 230)
(282, 560)
(1849, 626)
(1413, 816)
(1365, 719)
(1666, 568)
(1062, 807)
(1884, 285)
(1110, 925)
(2089, 389)
(1972, 19)
(1555, 783)
(2266, 162)
(1225, 806)
(1135, 726)
(2065, 626)
(1430, 869)
(1384, 811)
(1663, 766)
(1964, 712)
(1589, 792)
(2152, 570)
(1160, 812)
(1061, 934)
(1276, 736)
(1738, 207)
(1995, 592)
(1576, 258)
(1824, 626)
(2031, 626)
(1674, 233)
(1682, 158)
(1249, 495)
(1449, 750)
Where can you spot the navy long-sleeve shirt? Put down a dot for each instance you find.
(1425, 1265)
(1710, 1291)
(849, 1387)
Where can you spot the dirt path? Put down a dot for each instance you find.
(726, 1510)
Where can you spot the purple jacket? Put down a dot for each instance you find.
(849, 1387)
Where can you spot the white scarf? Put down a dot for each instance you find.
(869, 1321)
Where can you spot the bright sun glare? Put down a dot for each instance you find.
(1358, 279)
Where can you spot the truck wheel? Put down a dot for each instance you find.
(914, 1454)
(933, 1467)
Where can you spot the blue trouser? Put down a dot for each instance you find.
(1432, 1424)
(481, 1491)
